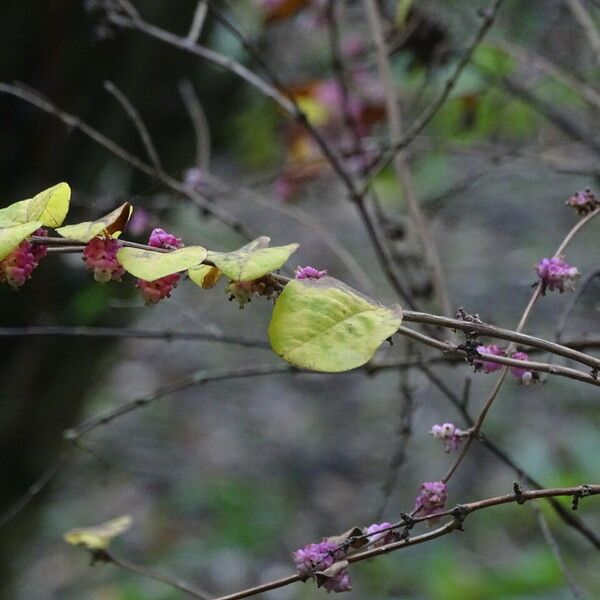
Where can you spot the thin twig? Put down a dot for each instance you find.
(34, 490)
(197, 378)
(177, 584)
(197, 22)
(138, 123)
(584, 18)
(73, 122)
(199, 122)
(554, 548)
(166, 335)
(404, 432)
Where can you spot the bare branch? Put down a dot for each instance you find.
(401, 165)
(138, 122)
(584, 18)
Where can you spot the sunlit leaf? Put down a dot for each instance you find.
(11, 237)
(324, 325)
(149, 265)
(252, 260)
(100, 536)
(205, 276)
(112, 224)
(49, 207)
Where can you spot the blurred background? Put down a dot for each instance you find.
(226, 479)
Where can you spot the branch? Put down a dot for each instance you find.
(108, 557)
(459, 514)
(197, 378)
(587, 24)
(401, 166)
(117, 332)
(72, 122)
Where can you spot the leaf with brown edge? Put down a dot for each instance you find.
(205, 276)
(98, 537)
(112, 224)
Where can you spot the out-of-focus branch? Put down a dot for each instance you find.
(401, 165)
(165, 335)
(108, 557)
(554, 548)
(584, 18)
(138, 123)
(71, 121)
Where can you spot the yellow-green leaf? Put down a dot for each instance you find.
(324, 325)
(49, 207)
(112, 224)
(100, 536)
(149, 265)
(253, 260)
(11, 237)
(205, 276)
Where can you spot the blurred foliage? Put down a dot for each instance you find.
(224, 482)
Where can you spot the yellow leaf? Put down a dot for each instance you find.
(252, 261)
(98, 537)
(112, 224)
(205, 276)
(11, 237)
(149, 265)
(49, 207)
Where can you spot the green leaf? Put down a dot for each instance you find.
(11, 237)
(49, 207)
(205, 276)
(112, 224)
(253, 260)
(149, 265)
(100, 536)
(324, 325)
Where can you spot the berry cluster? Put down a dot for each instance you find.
(17, 267)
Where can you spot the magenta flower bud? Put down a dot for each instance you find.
(100, 256)
(159, 238)
(340, 582)
(39, 250)
(309, 273)
(194, 178)
(385, 537)
(525, 376)
(431, 499)
(17, 267)
(555, 273)
(315, 558)
(583, 202)
(159, 289)
(485, 365)
(450, 435)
